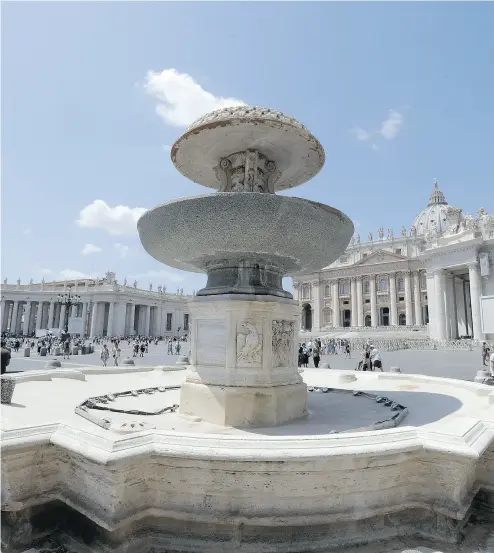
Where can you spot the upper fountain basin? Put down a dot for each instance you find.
(294, 234)
(298, 155)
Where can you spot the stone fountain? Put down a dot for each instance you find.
(246, 238)
(98, 460)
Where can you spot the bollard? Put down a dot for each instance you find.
(57, 351)
(53, 364)
(43, 351)
(127, 361)
(8, 385)
(27, 352)
(75, 350)
(83, 350)
(394, 370)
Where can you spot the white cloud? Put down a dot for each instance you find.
(181, 100)
(117, 220)
(391, 126)
(121, 249)
(89, 249)
(388, 129)
(158, 277)
(46, 272)
(26, 232)
(70, 274)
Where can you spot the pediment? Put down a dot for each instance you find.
(381, 256)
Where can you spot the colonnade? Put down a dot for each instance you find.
(93, 318)
(455, 303)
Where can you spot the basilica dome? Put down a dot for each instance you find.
(434, 215)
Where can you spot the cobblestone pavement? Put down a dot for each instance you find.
(446, 363)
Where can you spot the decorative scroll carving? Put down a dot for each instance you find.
(283, 336)
(249, 344)
(249, 171)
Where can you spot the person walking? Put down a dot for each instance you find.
(316, 353)
(5, 354)
(143, 349)
(116, 355)
(485, 355)
(105, 354)
(66, 349)
(348, 354)
(375, 357)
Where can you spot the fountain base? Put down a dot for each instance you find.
(242, 363)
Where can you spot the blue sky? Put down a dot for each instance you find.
(398, 93)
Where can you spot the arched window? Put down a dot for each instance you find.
(327, 291)
(326, 316)
(368, 320)
(366, 287)
(383, 285)
(305, 292)
(402, 319)
(401, 285)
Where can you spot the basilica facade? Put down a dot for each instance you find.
(104, 308)
(435, 276)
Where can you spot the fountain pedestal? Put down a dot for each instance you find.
(243, 361)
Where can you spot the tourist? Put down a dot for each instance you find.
(348, 354)
(491, 363)
(66, 349)
(367, 363)
(105, 354)
(17, 345)
(300, 356)
(136, 349)
(116, 355)
(5, 353)
(375, 357)
(316, 353)
(485, 354)
(143, 349)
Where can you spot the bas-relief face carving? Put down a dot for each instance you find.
(283, 336)
(237, 179)
(249, 344)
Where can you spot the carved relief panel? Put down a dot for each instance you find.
(283, 336)
(249, 343)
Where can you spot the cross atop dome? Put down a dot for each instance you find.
(437, 197)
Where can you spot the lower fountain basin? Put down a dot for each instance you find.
(230, 236)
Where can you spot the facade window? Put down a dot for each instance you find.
(401, 285)
(364, 255)
(326, 316)
(305, 292)
(398, 251)
(345, 289)
(401, 298)
(169, 317)
(327, 291)
(383, 285)
(366, 287)
(186, 321)
(402, 319)
(346, 303)
(423, 281)
(344, 259)
(367, 301)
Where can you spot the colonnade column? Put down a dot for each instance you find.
(475, 293)
(111, 317)
(360, 302)
(61, 321)
(147, 314)
(452, 318)
(13, 321)
(373, 301)
(416, 297)
(5, 315)
(392, 297)
(51, 312)
(27, 319)
(440, 314)
(84, 318)
(353, 291)
(94, 319)
(132, 318)
(39, 315)
(408, 299)
(335, 302)
(316, 320)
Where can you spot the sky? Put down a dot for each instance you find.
(94, 94)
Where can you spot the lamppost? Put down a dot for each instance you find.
(68, 300)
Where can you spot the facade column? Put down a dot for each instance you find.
(335, 302)
(5, 315)
(392, 297)
(13, 321)
(316, 318)
(39, 315)
(440, 308)
(51, 312)
(408, 299)
(353, 292)
(61, 322)
(27, 319)
(417, 297)
(111, 318)
(360, 302)
(94, 319)
(373, 300)
(132, 318)
(475, 293)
